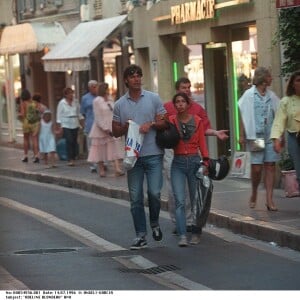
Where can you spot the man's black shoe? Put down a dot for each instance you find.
(156, 233)
(139, 243)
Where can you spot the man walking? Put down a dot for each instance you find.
(146, 109)
(86, 109)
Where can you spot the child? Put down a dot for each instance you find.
(47, 142)
(186, 159)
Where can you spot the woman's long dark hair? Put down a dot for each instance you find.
(290, 90)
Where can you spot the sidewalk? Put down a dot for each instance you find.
(229, 205)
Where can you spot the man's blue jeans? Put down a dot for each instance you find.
(182, 171)
(151, 166)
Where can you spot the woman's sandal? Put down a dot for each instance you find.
(252, 204)
(102, 173)
(271, 207)
(119, 173)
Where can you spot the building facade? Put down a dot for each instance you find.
(216, 43)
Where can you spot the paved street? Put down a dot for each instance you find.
(229, 206)
(57, 238)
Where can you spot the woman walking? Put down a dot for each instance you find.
(104, 147)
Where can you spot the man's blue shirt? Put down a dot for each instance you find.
(86, 109)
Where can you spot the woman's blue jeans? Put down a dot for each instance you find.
(151, 166)
(182, 171)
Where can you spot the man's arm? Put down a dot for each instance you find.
(220, 134)
(158, 124)
(118, 129)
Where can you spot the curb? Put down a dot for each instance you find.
(281, 235)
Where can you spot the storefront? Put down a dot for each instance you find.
(98, 48)
(217, 44)
(21, 48)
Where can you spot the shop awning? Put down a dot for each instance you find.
(74, 51)
(30, 37)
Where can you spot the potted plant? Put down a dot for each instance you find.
(288, 172)
(286, 163)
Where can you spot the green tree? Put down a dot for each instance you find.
(289, 36)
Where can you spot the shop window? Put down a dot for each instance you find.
(58, 2)
(244, 55)
(244, 61)
(31, 5)
(43, 4)
(110, 70)
(21, 6)
(195, 73)
(3, 95)
(17, 85)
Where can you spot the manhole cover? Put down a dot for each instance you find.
(46, 251)
(154, 270)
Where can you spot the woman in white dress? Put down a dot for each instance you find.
(47, 144)
(104, 147)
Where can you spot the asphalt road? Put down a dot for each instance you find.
(65, 239)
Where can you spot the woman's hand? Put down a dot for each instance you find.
(277, 145)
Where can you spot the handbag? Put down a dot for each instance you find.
(133, 145)
(167, 138)
(257, 145)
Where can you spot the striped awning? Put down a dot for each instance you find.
(73, 53)
(30, 37)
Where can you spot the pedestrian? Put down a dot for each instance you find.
(86, 109)
(104, 147)
(183, 85)
(47, 144)
(188, 154)
(258, 106)
(146, 109)
(243, 84)
(287, 118)
(30, 116)
(69, 119)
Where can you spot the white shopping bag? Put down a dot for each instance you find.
(240, 166)
(133, 145)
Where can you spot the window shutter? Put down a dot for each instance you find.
(32, 5)
(98, 9)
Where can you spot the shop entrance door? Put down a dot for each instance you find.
(221, 97)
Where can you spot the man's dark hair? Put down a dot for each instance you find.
(180, 81)
(132, 69)
(25, 95)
